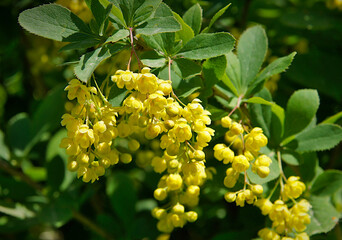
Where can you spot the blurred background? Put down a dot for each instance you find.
(39, 199)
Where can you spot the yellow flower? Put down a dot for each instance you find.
(181, 131)
(155, 103)
(77, 90)
(293, 188)
(147, 82)
(268, 234)
(226, 122)
(265, 205)
(174, 182)
(240, 163)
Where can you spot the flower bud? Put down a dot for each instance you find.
(160, 194)
(230, 196)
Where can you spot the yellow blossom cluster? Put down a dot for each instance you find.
(287, 223)
(150, 109)
(91, 130)
(241, 154)
(152, 106)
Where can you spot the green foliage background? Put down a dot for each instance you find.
(40, 199)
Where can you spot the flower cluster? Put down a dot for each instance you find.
(152, 106)
(150, 109)
(91, 126)
(242, 153)
(287, 223)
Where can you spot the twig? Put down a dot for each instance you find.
(87, 222)
(173, 93)
(237, 106)
(14, 172)
(78, 216)
(244, 15)
(132, 44)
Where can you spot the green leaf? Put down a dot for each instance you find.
(46, 118)
(193, 17)
(182, 70)
(276, 109)
(213, 71)
(309, 167)
(23, 134)
(58, 211)
(14, 189)
(163, 10)
(215, 17)
(152, 59)
(146, 9)
(118, 35)
(53, 21)
(290, 157)
(16, 210)
(188, 86)
(122, 195)
(277, 119)
(116, 13)
(58, 176)
(301, 109)
(229, 84)
(89, 61)
(116, 96)
(251, 51)
(234, 71)
(321, 137)
(277, 66)
(216, 113)
(82, 43)
(207, 45)
(323, 215)
(159, 25)
(334, 118)
(261, 114)
(327, 183)
(100, 13)
(4, 151)
(142, 14)
(323, 65)
(186, 68)
(19, 134)
(163, 43)
(186, 33)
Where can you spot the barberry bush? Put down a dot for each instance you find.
(167, 129)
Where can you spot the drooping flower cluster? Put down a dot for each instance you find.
(242, 153)
(287, 223)
(152, 106)
(91, 126)
(151, 109)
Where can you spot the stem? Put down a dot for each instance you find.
(133, 50)
(274, 188)
(219, 93)
(87, 222)
(192, 148)
(173, 93)
(245, 181)
(22, 176)
(237, 106)
(78, 216)
(244, 15)
(280, 166)
(98, 89)
(129, 61)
